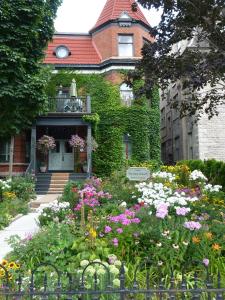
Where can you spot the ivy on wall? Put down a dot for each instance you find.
(112, 120)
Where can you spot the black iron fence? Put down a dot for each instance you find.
(46, 282)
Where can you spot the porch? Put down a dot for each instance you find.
(62, 158)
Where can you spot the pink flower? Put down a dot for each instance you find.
(162, 211)
(182, 211)
(115, 242)
(192, 225)
(206, 262)
(119, 230)
(108, 229)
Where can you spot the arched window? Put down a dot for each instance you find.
(126, 94)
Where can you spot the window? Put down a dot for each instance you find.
(126, 94)
(125, 47)
(4, 151)
(62, 52)
(127, 149)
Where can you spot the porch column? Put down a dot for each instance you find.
(89, 150)
(88, 104)
(33, 149)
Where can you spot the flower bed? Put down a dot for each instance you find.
(14, 196)
(177, 220)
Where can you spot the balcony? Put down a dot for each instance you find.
(67, 105)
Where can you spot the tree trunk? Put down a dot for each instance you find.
(11, 156)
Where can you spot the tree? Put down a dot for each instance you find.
(26, 26)
(190, 48)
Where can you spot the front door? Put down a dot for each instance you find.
(61, 158)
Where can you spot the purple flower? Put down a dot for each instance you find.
(119, 230)
(115, 242)
(192, 225)
(108, 229)
(101, 234)
(182, 211)
(206, 262)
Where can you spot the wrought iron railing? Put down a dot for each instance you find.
(68, 104)
(46, 282)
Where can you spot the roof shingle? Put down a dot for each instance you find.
(113, 9)
(81, 48)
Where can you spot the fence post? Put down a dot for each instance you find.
(122, 282)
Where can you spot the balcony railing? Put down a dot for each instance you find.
(70, 104)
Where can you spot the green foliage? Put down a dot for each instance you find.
(23, 187)
(203, 23)
(68, 193)
(214, 170)
(111, 120)
(26, 27)
(15, 195)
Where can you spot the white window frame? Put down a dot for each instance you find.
(126, 43)
(126, 90)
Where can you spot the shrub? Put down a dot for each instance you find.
(23, 187)
(214, 170)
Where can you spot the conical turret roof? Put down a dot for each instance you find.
(113, 10)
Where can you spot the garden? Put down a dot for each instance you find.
(15, 193)
(170, 225)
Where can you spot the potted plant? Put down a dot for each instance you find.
(44, 144)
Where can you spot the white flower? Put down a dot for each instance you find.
(197, 175)
(185, 243)
(123, 204)
(160, 263)
(175, 246)
(118, 263)
(114, 270)
(101, 271)
(159, 244)
(116, 282)
(84, 263)
(90, 270)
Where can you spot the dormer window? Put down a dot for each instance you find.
(62, 52)
(125, 45)
(125, 20)
(124, 16)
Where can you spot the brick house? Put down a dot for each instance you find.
(114, 43)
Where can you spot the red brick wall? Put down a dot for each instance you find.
(19, 163)
(106, 40)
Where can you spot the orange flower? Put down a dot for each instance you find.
(196, 240)
(216, 247)
(209, 235)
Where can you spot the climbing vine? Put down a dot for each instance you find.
(111, 120)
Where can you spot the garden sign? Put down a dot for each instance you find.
(138, 174)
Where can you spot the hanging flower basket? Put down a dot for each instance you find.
(79, 145)
(44, 144)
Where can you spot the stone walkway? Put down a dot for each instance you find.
(23, 226)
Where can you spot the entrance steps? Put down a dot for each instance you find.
(54, 183)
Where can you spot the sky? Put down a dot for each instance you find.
(81, 15)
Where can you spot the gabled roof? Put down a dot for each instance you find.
(113, 10)
(82, 50)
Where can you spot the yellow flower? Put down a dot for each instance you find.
(4, 262)
(216, 247)
(12, 265)
(2, 273)
(209, 235)
(196, 240)
(93, 233)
